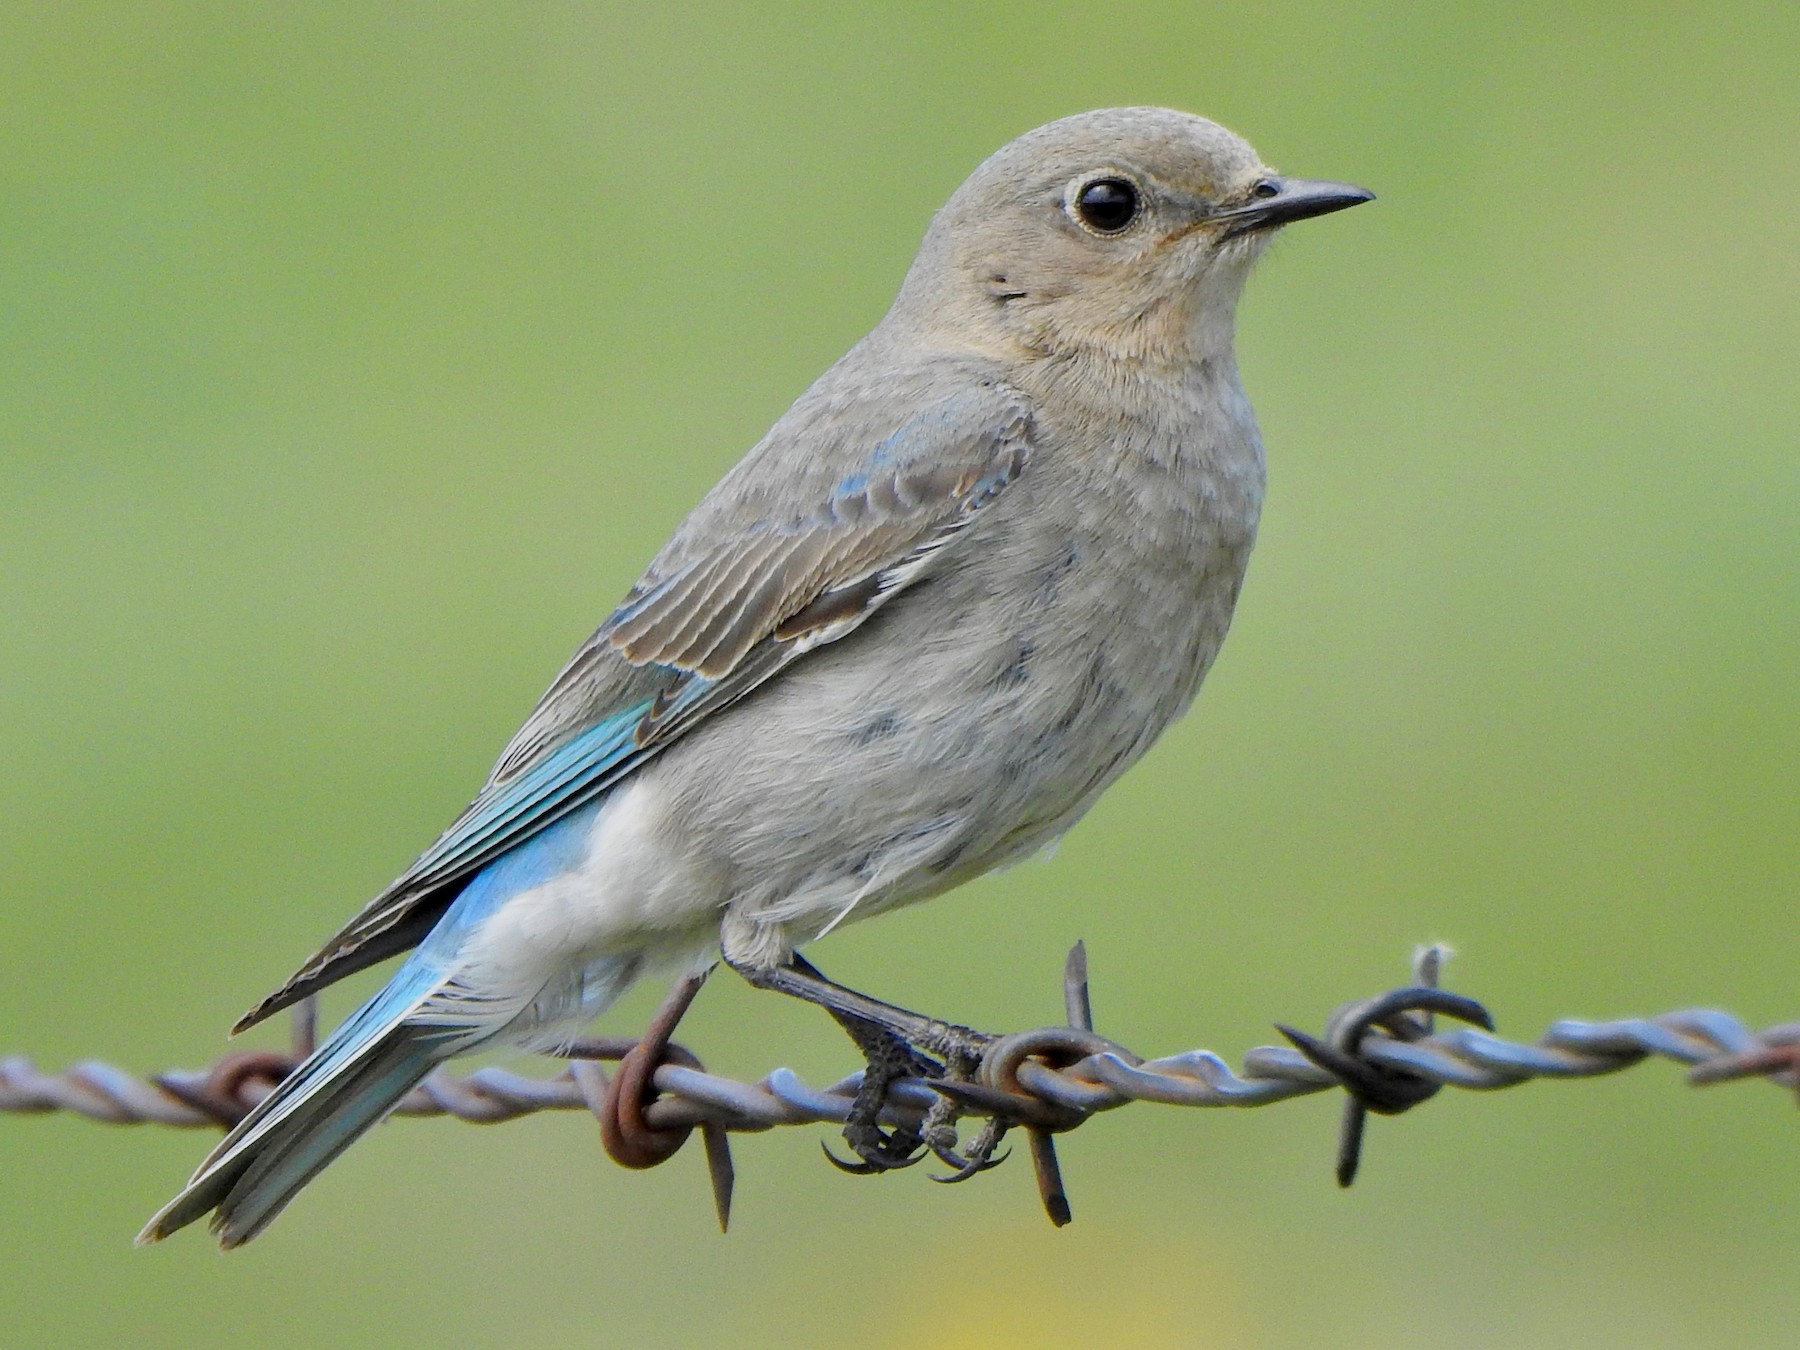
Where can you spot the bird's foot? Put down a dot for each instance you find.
(888, 1059)
(896, 1044)
(891, 1058)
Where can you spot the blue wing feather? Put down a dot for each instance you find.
(500, 818)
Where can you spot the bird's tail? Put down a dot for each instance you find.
(352, 1081)
(360, 1074)
(426, 1013)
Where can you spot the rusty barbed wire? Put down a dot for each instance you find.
(1384, 1052)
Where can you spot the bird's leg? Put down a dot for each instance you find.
(896, 1044)
(799, 979)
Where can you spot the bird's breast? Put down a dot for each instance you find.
(1154, 511)
(977, 714)
(1077, 624)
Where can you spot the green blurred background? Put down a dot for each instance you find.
(354, 358)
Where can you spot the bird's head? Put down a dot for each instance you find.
(1127, 231)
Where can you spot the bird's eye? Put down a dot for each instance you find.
(1266, 189)
(1107, 205)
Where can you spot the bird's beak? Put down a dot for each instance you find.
(1281, 201)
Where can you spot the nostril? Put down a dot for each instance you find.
(999, 288)
(1267, 188)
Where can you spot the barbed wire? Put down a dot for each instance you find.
(1384, 1052)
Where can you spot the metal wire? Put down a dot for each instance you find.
(1048, 1081)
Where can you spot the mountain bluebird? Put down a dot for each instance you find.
(959, 587)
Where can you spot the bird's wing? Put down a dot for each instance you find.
(709, 622)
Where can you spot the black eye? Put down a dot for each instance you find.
(1107, 205)
(1266, 189)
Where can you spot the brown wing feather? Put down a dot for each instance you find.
(730, 618)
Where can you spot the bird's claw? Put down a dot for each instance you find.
(876, 1158)
(980, 1157)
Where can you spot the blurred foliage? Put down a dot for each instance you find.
(353, 358)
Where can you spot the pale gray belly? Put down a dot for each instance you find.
(971, 720)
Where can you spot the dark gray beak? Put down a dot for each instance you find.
(1282, 201)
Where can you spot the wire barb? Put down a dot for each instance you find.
(1373, 1086)
(1385, 1052)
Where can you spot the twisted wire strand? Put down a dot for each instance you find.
(1714, 1045)
(1384, 1052)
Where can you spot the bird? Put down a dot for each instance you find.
(957, 589)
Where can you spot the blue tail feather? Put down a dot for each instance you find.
(349, 1083)
(307, 1143)
(370, 1062)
